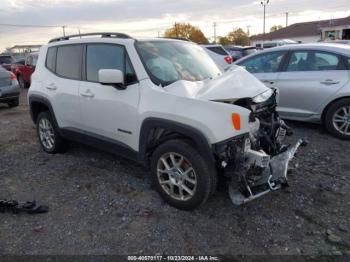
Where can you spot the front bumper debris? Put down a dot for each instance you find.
(273, 176)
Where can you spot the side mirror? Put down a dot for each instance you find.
(112, 77)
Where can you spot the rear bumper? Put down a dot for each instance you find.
(9, 94)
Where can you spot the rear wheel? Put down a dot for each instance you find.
(337, 119)
(49, 138)
(181, 175)
(14, 102)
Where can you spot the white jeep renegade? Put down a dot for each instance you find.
(165, 104)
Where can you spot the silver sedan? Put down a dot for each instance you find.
(313, 82)
(9, 88)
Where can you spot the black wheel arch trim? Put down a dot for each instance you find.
(39, 99)
(192, 133)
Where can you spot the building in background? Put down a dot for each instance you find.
(308, 32)
(20, 51)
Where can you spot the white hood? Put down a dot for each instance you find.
(234, 84)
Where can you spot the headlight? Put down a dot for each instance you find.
(263, 96)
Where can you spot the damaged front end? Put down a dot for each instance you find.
(257, 163)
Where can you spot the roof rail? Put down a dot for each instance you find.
(104, 34)
(176, 38)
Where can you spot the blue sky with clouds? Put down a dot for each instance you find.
(152, 17)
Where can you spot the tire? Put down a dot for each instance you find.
(21, 82)
(337, 119)
(49, 138)
(14, 102)
(199, 180)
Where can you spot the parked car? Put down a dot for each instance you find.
(9, 88)
(313, 82)
(237, 52)
(6, 61)
(165, 104)
(270, 44)
(24, 68)
(218, 53)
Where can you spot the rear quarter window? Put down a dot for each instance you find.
(51, 59)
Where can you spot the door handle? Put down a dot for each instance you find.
(52, 86)
(329, 82)
(87, 94)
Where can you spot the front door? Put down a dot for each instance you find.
(107, 112)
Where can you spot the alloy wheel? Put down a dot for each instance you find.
(46, 133)
(176, 175)
(341, 120)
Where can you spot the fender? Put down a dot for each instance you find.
(195, 135)
(46, 102)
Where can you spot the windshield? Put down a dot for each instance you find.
(5, 60)
(170, 61)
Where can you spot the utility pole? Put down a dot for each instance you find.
(214, 25)
(177, 34)
(64, 30)
(264, 3)
(287, 19)
(79, 31)
(248, 29)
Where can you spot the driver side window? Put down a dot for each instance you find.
(264, 63)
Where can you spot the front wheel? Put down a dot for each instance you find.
(181, 175)
(14, 102)
(337, 119)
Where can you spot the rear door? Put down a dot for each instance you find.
(62, 84)
(266, 66)
(309, 78)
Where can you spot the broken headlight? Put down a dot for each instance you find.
(263, 96)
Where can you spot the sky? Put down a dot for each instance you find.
(150, 18)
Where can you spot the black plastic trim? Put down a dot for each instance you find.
(195, 135)
(100, 142)
(46, 102)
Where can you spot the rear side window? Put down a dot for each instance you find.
(51, 59)
(69, 60)
(217, 49)
(313, 61)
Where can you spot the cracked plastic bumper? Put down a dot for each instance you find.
(273, 177)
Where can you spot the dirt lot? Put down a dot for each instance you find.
(103, 204)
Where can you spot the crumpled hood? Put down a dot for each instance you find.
(234, 84)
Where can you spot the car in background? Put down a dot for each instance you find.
(9, 88)
(24, 68)
(220, 56)
(270, 44)
(237, 52)
(313, 82)
(6, 61)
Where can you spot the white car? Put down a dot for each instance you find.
(313, 82)
(218, 53)
(165, 104)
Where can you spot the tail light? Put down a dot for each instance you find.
(228, 59)
(13, 76)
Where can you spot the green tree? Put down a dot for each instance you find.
(275, 28)
(238, 37)
(223, 40)
(188, 31)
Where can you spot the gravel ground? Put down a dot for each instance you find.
(103, 204)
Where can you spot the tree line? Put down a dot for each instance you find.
(194, 34)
